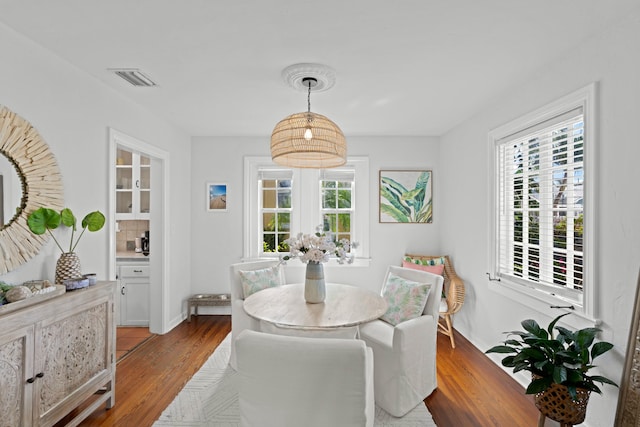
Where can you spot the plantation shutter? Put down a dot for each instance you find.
(541, 204)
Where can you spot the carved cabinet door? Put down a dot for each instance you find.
(16, 376)
(71, 351)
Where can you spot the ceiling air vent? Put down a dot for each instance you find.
(135, 77)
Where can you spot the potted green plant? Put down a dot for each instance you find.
(44, 220)
(559, 365)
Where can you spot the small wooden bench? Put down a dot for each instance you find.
(207, 300)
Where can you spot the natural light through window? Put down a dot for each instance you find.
(281, 202)
(541, 238)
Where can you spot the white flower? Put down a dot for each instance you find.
(319, 247)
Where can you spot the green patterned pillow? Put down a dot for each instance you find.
(257, 280)
(406, 299)
(434, 261)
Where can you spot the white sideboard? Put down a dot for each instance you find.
(55, 355)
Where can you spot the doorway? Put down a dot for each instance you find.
(157, 300)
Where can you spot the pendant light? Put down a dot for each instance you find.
(308, 140)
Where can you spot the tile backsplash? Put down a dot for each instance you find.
(129, 230)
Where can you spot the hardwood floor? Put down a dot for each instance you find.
(128, 338)
(471, 392)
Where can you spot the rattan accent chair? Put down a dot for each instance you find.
(454, 290)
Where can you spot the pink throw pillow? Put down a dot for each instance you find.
(435, 269)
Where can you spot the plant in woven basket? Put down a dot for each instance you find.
(564, 358)
(44, 220)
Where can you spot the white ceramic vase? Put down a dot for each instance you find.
(314, 287)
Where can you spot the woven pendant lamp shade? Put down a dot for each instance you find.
(326, 149)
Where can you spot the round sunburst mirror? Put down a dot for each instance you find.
(40, 184)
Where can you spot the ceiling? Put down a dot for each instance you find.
(410, 67)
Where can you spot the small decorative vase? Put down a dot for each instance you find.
(314, 288)
(67, 267)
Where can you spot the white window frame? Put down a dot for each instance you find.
(525, 292)
(306, 214)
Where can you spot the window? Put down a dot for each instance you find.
(337, 189)
(280, 203)
(276, 208)
(541, 243)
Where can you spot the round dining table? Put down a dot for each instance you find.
(344, 306)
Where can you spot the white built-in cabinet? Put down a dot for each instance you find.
(133, 185)
(56, 354)
(134, 283)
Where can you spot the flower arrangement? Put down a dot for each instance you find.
(319, 247)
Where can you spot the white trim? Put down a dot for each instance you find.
(306, 180)
(586, 98)
(160, 241)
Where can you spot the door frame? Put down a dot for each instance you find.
(160, 235)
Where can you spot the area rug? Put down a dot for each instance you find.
(210, 398)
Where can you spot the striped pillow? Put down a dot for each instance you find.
(420, 261)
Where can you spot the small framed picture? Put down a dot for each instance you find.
(216, 197)
(405, 196)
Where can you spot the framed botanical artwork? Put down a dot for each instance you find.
(216, 197)
(405, 196)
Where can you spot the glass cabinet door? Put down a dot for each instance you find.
(124, 182)
(133, 185)
(145, 184)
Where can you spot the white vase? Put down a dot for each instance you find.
(314, 288)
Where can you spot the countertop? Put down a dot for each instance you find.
(131, 256)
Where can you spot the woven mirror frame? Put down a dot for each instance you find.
(41, 181)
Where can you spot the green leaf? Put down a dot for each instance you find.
(394, 200)
(43, 219)
(94, 221)
(501, 349)
(538, 385)
(411, 195)
(600, 348)
(565, 335)
(393, 213)
(602, 379)
(559, 374)
(585, 337)
(425, 214)
(394, 187)
(520, 367)
(68, 218)
(508, 362)
(532, 326)
(553, 323)
(533, 353)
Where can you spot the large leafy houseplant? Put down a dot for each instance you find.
(44, 220)
(564, 358)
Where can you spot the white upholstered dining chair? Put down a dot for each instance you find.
(405, 354)
(240, 320)
(287, 381)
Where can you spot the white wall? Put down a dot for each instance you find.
(217, 237)
(610, 59)
(72, 112)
